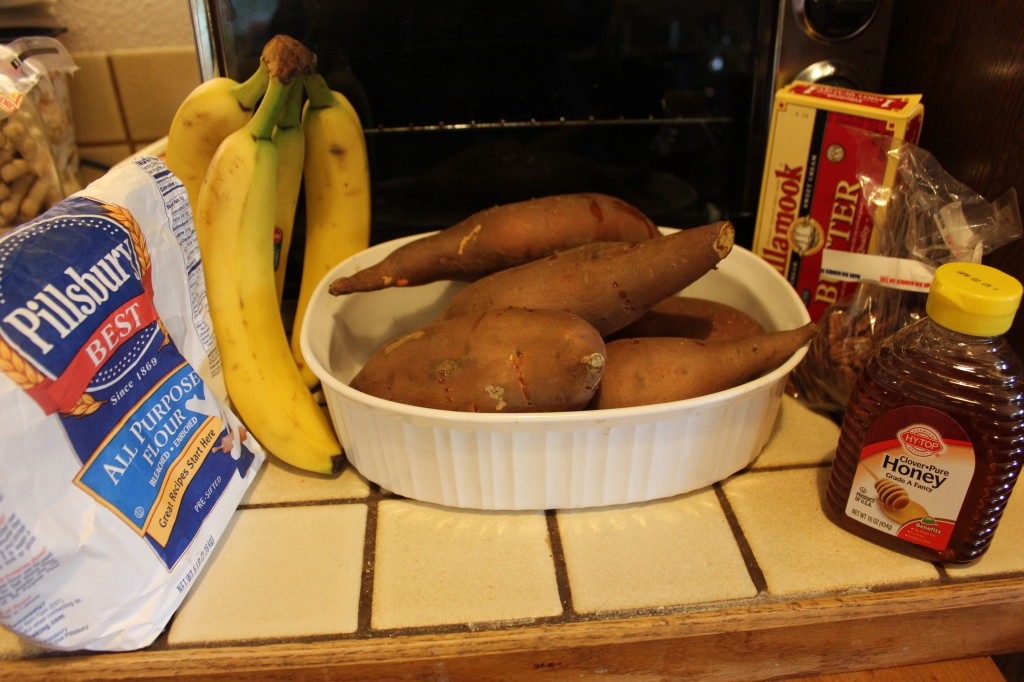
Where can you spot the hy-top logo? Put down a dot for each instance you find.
(76, 305)
(921, 441)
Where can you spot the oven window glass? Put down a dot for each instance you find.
(468, 104)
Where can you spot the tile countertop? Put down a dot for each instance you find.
(745, 579)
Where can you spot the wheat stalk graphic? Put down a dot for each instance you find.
(125, 218)
(28, 377)
(17, 370)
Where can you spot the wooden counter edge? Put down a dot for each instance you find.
(855, 631)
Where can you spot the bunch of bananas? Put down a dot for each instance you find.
(244, 151)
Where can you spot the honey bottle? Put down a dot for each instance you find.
(932, 439)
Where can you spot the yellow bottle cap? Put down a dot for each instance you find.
(974, 299)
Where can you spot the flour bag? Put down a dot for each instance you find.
(120, 463)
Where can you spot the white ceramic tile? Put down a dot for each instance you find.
(94, 101)
(278, 482)
(437, 565)
(279, 572)
(675, 551)
(797, 547)
(801, 436)
(151, 85)
(1004, 555)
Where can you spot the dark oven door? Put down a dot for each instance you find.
(468, 104)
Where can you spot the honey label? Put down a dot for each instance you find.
(915, 468)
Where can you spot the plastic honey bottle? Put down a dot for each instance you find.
(933, 436)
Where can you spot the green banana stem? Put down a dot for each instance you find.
(291, 112)
(249, 91)
(261, 125)
(320, 94)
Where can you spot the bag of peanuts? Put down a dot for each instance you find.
(121, 464)
(38, 155)
(926, 219)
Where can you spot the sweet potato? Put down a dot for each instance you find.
(692, 318)
(651, 370)
(608, 284)
(513, 360)
(501, 237)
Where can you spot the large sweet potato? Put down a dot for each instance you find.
(608, 284)
(513, 360)
(692, 318)
(501, 237)
(651, 370)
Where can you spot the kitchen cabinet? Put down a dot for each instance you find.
(968, 61)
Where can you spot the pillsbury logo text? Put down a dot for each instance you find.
(81, 317)
(62, 307)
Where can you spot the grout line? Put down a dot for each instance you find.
(323, 502)
(753, 568)
(558, 557)
(788, 467)
(119, 98)
(364, 617)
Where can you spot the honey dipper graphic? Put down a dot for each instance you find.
(895, 501)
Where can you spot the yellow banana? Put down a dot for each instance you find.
(337, 187)
(235, 224)
(212, 111)
(291, 152)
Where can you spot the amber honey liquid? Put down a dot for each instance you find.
(941, 415)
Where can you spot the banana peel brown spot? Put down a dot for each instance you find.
(338, 462)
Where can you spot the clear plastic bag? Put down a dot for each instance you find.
(38, 155)
(926, 219)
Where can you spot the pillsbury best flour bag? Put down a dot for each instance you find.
(120, 464)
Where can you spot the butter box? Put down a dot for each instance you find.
(811, 194)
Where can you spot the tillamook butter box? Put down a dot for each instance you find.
(811, 195)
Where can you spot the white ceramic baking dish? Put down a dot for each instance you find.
(556, 460)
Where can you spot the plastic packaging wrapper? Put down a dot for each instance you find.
(38, 154)
(120, 464)
(928, 218)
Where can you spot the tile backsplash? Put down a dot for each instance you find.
(124, 100)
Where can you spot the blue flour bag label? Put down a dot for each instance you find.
(113, 407)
